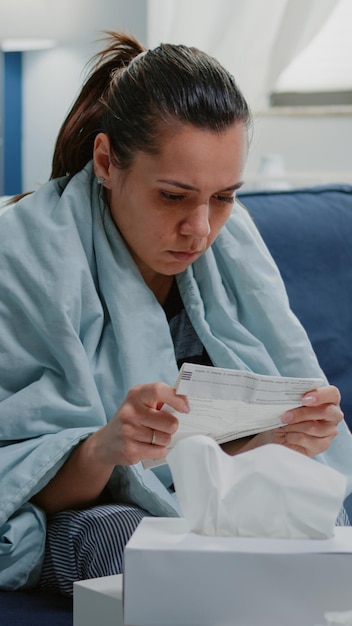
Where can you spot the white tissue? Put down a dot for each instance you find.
(270, 491)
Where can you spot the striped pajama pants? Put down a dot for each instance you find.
(88, 543)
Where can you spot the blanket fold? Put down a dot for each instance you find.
(79, 327)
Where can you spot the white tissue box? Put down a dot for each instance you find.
(98, 602)
(173, 577)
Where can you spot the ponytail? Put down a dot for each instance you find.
(74, 144)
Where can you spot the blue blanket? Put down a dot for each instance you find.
(79, 327)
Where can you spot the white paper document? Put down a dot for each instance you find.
(227, 404)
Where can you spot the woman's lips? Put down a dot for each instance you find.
(185, 256)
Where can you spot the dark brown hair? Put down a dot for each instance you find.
(131, 92)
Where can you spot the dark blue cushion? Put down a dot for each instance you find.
(34, 608)
(309, 234)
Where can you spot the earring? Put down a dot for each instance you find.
(101, 180)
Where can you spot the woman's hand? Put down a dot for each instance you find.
(309, 429)
(140, 428)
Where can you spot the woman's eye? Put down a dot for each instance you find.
(172, 197)
(228, 199)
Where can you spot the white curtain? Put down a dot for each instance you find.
(253, 39)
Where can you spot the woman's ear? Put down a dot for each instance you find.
(102, 159)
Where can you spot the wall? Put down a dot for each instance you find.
(51, 80)
(314, 148)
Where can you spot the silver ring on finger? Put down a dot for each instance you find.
(153, 441)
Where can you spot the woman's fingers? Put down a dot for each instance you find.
(321, 404)
(141, 410)
(324, 395)
(143, 426)
(311, 427)
(300, 441)
(325, 412)
(155, 395)
(310, 444)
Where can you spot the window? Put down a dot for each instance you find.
(322, 73)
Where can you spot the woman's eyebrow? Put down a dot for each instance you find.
(177, 183)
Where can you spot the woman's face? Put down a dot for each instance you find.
(170, 207)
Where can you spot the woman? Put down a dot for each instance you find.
(133, 259)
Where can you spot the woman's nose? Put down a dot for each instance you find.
(197, 222)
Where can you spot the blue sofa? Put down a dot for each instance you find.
(34, 608)
(309, 233)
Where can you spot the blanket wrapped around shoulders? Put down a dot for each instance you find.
(79, 327)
